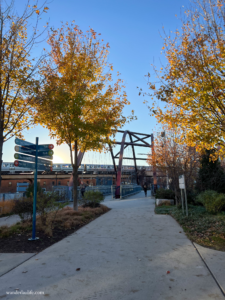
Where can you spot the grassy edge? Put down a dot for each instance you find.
(214, 242)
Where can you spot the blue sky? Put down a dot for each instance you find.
(132, 29)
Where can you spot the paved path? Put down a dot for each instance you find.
(10, 220)
(125, 254)
(215, 262)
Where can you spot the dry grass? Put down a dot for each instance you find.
(6, 207)
(68, 218)
(65, 218)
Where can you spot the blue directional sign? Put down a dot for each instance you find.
(47, 157)
(24, 143)
(45, 153)
(29, 165)
(41, 147)
(22, 149)
(25, 150)
(33, 146)
(32, 159)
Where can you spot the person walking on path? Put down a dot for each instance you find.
(145, 189)
(82, 189)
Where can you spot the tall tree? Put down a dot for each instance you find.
(192, 84)
(211, 175)
(173, 159)
(83, 107)
(18, 69)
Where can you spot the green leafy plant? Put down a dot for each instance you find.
(92, 198)
(30, 190)
(164, 194)
(212, 201)
(46, 203)
(191, 197)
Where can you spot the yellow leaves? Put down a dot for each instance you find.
(37, 11)
(83, 93)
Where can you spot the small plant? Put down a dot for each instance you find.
(30, 190)
(46, 203)
(92, 199)
(24, 208)
(48, 206)
(212, 201)
(164, 194)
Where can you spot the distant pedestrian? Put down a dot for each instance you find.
(82, 190)
(145, 189)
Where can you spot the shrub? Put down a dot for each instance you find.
(191, 197)
(164, 194)
(24, 208)
(92, 199)
(47, 203)
(212, 201)
(30, 190)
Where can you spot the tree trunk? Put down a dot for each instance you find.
(75, 178)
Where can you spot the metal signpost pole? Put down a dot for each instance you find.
(35, 195)
(185, 198)
(182, 200)
(154, 165)
(32, 162)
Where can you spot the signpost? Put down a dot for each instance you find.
(32, 146)
(182, 187)
(32, 161)
(26, 150)
(23, 164)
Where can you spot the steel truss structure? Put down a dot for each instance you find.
(136, 139)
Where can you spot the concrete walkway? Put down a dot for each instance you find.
(9, 261)
(10, 220)
(215, 261)
(129, 253)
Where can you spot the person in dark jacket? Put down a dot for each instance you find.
(145, 188)
(82, 189)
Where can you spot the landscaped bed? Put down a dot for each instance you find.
(200, 226)
(53, 228)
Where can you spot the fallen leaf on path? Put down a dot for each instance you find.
(168, 272)
(78, 269)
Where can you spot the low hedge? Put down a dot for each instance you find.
(212, 201)
(164, 194)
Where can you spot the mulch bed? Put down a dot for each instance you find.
(20, 243)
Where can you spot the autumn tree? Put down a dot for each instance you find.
(192, 83)
(173, 159)
(18, 69)
(84, 106)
